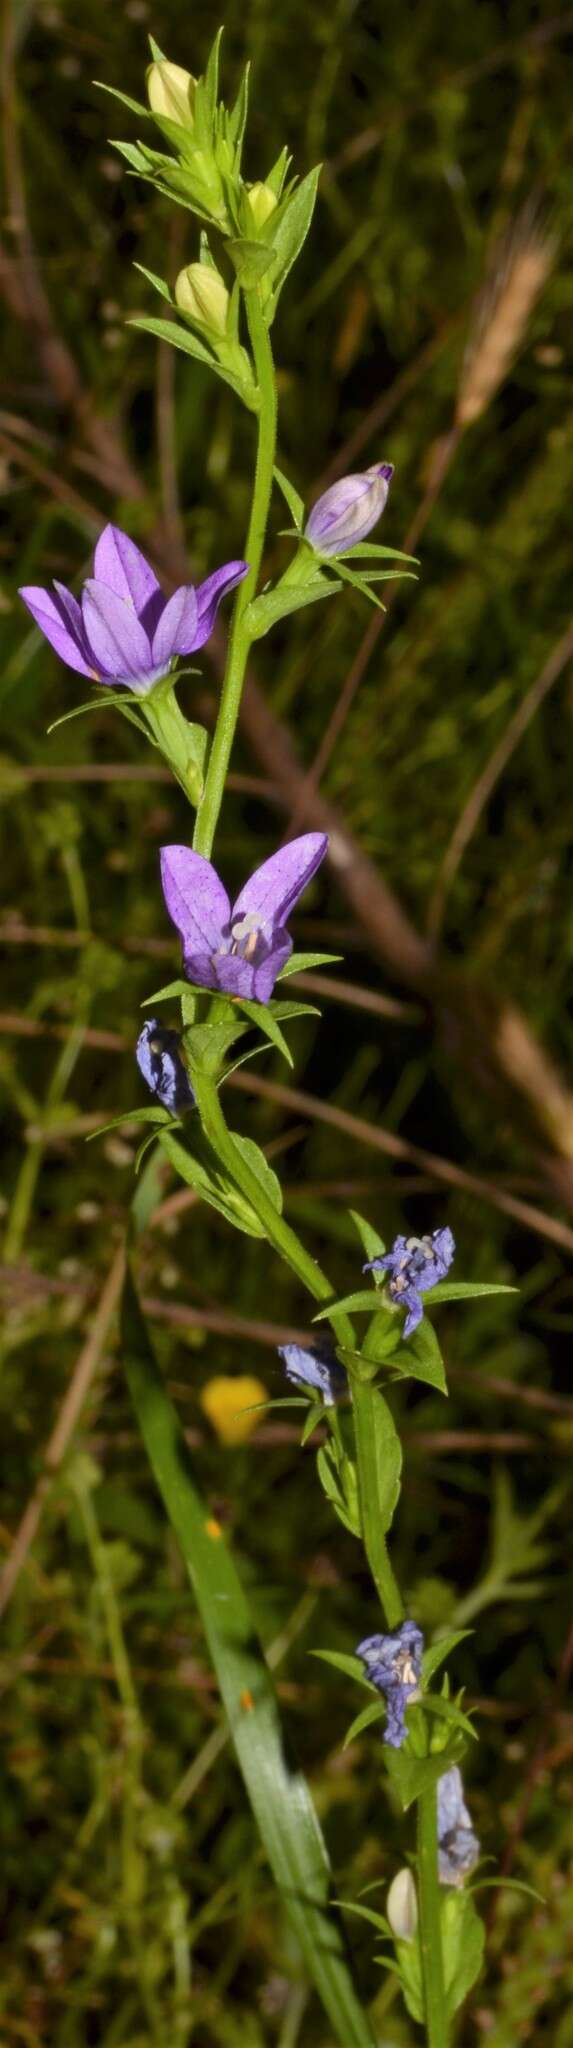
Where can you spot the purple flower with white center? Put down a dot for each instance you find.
(240, 948)
(414, 1264)
(349, 510)
(393, 1664)
(123, 630)
(158, 1055)
(316, 1366)
(458, 1847)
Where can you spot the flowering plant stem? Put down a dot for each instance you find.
(240, 638)
(437, 2030)
(366, 1399)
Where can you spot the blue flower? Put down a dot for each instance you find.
(159, 1059)
(414, 1264)
(393, 1663)
(458, 1847)
(315, 1367)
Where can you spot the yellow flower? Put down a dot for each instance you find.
(229, 1405)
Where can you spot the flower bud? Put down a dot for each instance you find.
(349, 510)
(262, 202)
(402, 1906)
(201, 294)
(171, 92)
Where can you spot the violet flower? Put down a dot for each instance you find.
(414, 1264)
(393, 1663)
(158, 1056)
(458, 1847)
(316, 1366)
(348, 511)
(123, 630)
(240, 948)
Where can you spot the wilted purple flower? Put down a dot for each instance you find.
(238, 949)
(349, 510)
(317, 1366)
(158, 1055)
(458, 1847)
(393, 1663)
(415, 1264)
(124, 630)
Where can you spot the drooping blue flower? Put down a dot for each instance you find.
(414, 1264)
(238, 948)
(315, 1366)
(393, 1663)
(124, 630)
(348, 511)
(158, 1055)
(458, 1847)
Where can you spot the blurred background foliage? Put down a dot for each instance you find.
(137, 1909)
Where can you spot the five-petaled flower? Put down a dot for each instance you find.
(393, 1663)
(158, 1055)
(124, 630)
(349, 510)
(414, 1264)
(316, 1366)
(458, 1847)
(240, 948)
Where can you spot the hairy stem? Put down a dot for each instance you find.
(437, 2031)
(240, 639)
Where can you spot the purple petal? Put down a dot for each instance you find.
(412, 1302)
(209, 596)
(198, 905)
(60, 620)
(275, 887)
(121, 566)
(115, 636)
(177, 629)
(255, 981)
(348, 511)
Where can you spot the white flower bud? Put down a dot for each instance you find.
(171, 91)
(201, 293)
(402, 1906)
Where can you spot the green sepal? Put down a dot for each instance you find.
(316, 1414)
(260, 1014)
(341, 1661)
(371, 1241)
(420, 1358)
(170, 993)
(207, 1044)
(134, 106)
(290, 234)
(237, 117)
(337, 1477)
(447, 1710)
(300, 963)
(365, 1719)
(437, 1653)
(292, 498)
(122, 702)
(159, 283)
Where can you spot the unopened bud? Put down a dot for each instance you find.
(201, 294)
(402, 1906)
(349, 510)
(171, 91)
(262, 202)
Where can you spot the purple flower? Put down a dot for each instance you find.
(349, 510)
(393, 1664)
(238, 949)
(317, 1366)
(458, 1847)
(158, 1055)
(124, 630)
(414, 1264)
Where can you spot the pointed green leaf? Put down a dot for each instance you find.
(465, 1290)
(440, 1651)
(278, 1791)
(292, 498)
(351, 1666)
(300, 963)
(366, 1719)
(266, 610)
(372, 1244)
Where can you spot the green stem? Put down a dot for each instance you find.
(369, 1410)
(240, 638)
(279, 1233)
(437, 2030)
